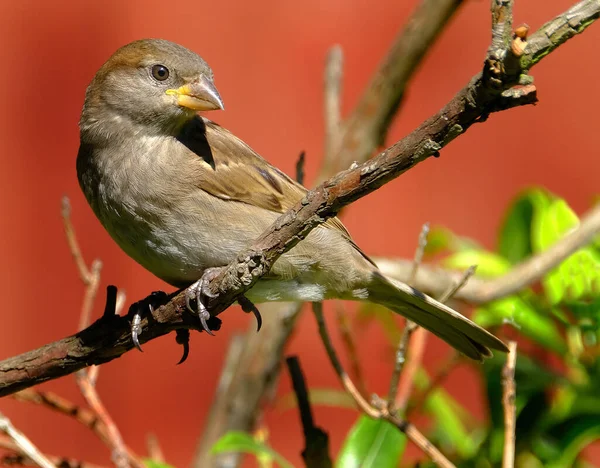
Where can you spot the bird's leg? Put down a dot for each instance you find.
(197, 292)
(248, 306)
(154, 300)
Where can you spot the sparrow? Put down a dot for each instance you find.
(182, 195)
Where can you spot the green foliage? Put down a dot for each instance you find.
(558, 413)
(557, 405)
(372, 443)
(154, 464)
(241, 442)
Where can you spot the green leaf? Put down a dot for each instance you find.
(514, 243)
(150, 463)
(372, 443)
(449, 427)
(551, 223)
(574, 435)
(441, 239)
(242, 442)
(528, 320)
(577, 278)
(488, 264)
(588, 312)
(452, 421)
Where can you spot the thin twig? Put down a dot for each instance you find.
(18, 458)
(84, 274)
(417, 348)
(155, 452)
(409, 327)
(419, 252)
(333, 80)
(91, 292)
(377, 413)
(453, 289)
(119, 454)
(508, 402)
(343, 326)
(89, 277)
(421, 441)
(349, 386)
(401, 353)
(62, 405)
(86, 379)
(24, 444)
(316, 441)
(414, 357)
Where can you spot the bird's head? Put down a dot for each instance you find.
(152, 83)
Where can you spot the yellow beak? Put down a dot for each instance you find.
(199, 95)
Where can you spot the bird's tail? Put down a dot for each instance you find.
(455, 329)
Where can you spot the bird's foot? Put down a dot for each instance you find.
(153, 301)
(197, 292)
(248, 306)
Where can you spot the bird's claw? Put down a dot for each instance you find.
(156, 298)
(136, 330)
(183, 338)
(248, 306)
(196, 292)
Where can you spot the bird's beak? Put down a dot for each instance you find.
(199, 95)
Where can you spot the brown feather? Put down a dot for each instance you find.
(229, 169)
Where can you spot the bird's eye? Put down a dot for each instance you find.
(160, 72)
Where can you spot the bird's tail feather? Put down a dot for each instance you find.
(452, 327)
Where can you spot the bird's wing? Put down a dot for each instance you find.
(229, 169)
(234, 171)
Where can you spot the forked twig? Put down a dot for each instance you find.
(86, 378)
(370, 410)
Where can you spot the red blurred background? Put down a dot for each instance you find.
(268, 61)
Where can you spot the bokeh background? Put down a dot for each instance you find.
(268, 61)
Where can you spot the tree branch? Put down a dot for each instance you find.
(109, 338)
(365, 128)
(265, 367)
(478, 291)
(369, 409)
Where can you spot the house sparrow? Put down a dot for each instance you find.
(180, 194)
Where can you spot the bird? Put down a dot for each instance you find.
(182, 195)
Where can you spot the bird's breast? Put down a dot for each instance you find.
(145, 200)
